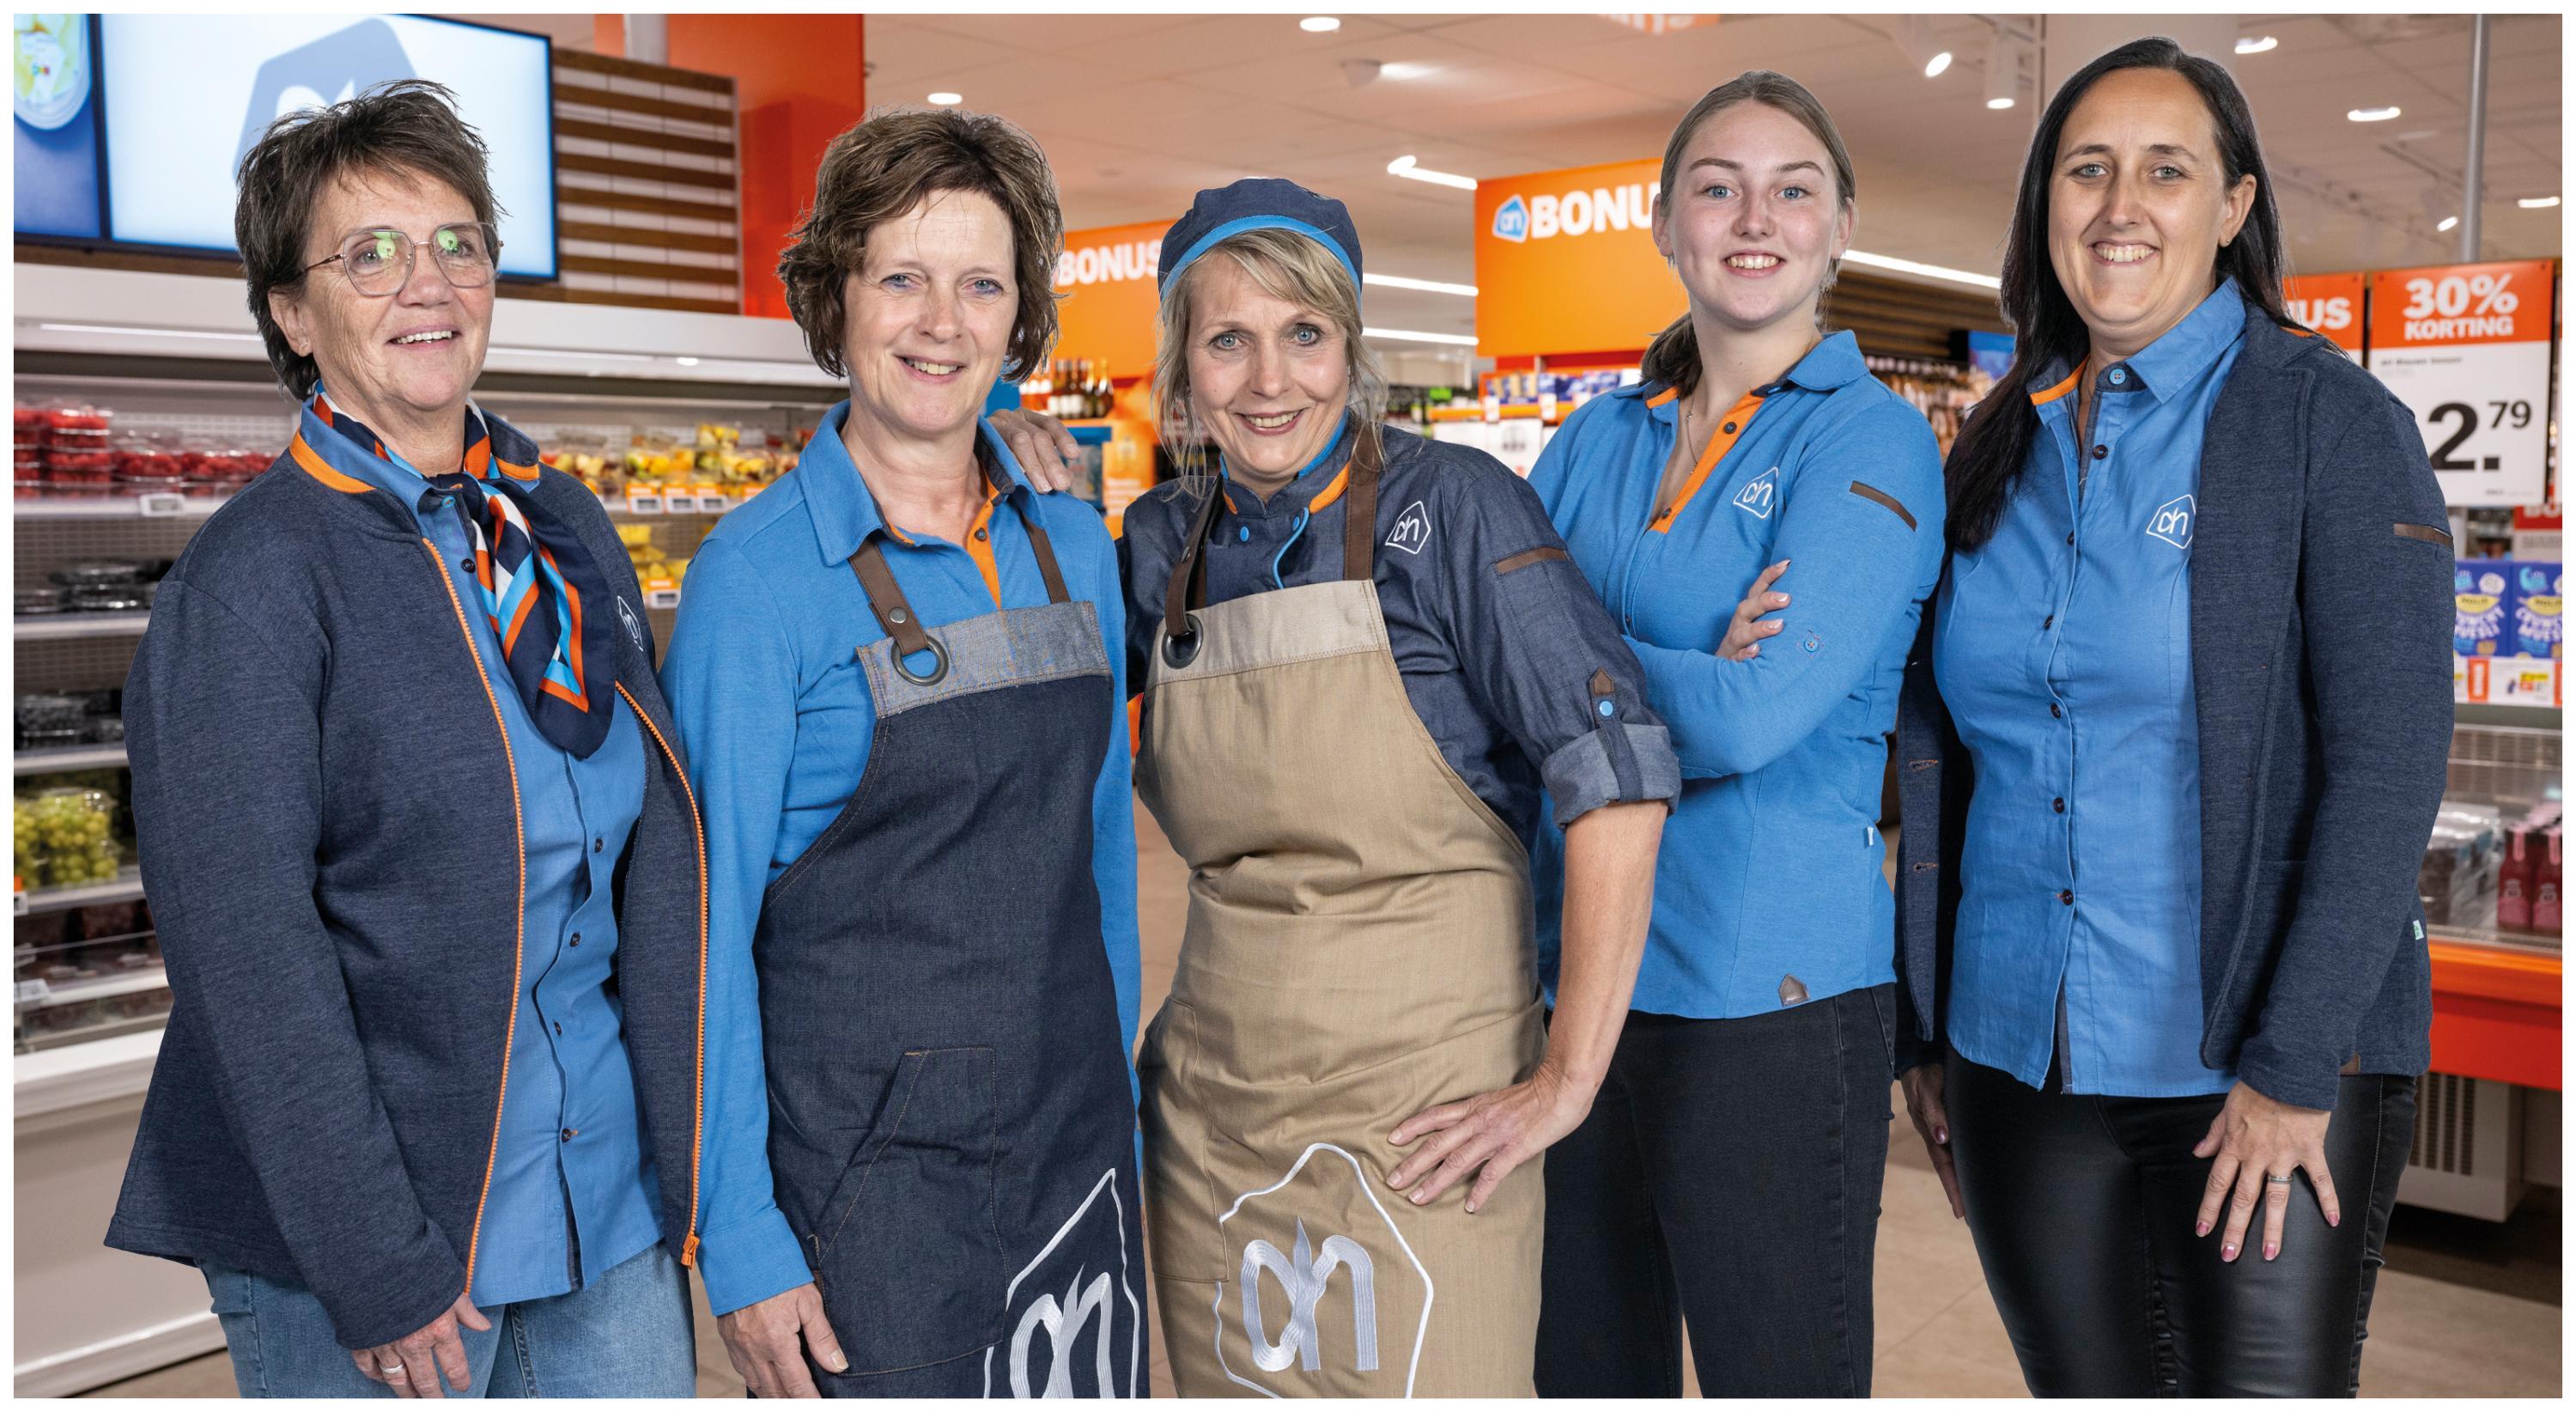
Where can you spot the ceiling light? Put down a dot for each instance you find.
(1319, 24)
(1914, 36)
(151, 332)
(1999, 104)
(1401, 72)
(1403, 166)
(2537, 203)
(2253, 45)
(1938, 64)
(572, 353)
(1912, 267)
(2449, 223)
(1402, 335)
(2374, 115)
(947, 100)
(2004, 58)
(1427, 286)
(685, 361)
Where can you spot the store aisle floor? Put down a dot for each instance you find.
(1938, 1333)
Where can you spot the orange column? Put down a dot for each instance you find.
(799, 80)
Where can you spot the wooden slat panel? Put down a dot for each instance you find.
(648, 269)
(649, 73)
(638, 103)
(643, 137)
(635, 235)
(629, 201)
(643, 171)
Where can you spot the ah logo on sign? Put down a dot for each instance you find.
(1511, 221)
(1412, 529)
(2172, 522)
(1759, 494)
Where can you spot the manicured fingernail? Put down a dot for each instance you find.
(1417, 1198)
(1471, 1208)
(2227, 1252)
(2270, 1250)
(1941, 1136)
(840, 1364)
(2334, 1218)
(2201, 1229)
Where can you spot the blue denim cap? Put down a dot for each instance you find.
(1258, 203)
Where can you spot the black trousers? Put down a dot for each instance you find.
(1729, 1175)
(2083, 1206)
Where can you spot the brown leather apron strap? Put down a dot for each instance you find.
(1359, 513)
(886, 600)
(1038, 541)
(1189, 576)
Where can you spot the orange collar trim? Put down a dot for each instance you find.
(2042, 399)
(314, 466)
(1739, 419)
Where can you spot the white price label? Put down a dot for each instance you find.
(661, 598)
(1547, 406)
(1493, 407)
(2467, 348)
(640, 502)
(33, 992)
(161, 505)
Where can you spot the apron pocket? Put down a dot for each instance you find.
(909, 1249)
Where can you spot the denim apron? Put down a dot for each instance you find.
(1359, 948)
(951, 1124)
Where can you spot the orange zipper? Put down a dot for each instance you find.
(518, 949)
(697, 821)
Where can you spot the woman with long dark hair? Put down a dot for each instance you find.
(2159, 929)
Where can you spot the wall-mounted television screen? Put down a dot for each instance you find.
(184, 96)
(54, 142)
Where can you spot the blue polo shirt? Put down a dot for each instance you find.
(571, 1166)
(774, 708)
(2063, 650)
(1770, 886)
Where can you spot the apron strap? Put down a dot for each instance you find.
(1038, 540)
(1359, 512)
(886, 600)
(1189, 576)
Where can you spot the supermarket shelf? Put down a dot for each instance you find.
(128, 887)
(68, 757)
(64, 627)
(2497, 1012)
(74, 992)
(2525, 683)
(119, 507)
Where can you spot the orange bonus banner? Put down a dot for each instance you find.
(2504, 302)
(2330, 304)
(1105, 303)
(1566, 262)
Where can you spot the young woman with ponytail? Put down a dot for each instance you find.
(1729, 1172)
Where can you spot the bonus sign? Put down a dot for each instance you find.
(2329, 304)
(2467, 347)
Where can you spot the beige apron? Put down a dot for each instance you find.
(1359, 948)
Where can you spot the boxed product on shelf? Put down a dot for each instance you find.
(64, 837)
(2539, 612)
(2520, 870)
(2482, 601)
(2457, 882)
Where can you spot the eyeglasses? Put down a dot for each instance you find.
(379, 262)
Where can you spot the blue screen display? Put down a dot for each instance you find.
(54, 148)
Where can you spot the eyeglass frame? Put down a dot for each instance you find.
(411, 260)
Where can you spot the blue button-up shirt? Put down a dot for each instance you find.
(1783, 756)
(571, 1171)
(773, 706)
(2064, 654)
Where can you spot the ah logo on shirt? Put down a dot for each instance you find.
(1412, 529)
(1758, 494)
(2172, 522)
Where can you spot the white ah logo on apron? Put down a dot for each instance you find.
(634, 630)
(1306, 1274)
(1412, 529)
(1086, 1304)
(1306, 1279)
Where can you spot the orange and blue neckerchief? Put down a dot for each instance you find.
(540, 586)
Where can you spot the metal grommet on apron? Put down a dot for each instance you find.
(1359, 948)
(951, 1125)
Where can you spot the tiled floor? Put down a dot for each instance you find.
(2442, 1325)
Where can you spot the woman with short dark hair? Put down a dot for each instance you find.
(418, 840)
(2159, 921)
(899, 671)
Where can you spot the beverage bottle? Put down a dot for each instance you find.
(2513, 880)
(2544, 886)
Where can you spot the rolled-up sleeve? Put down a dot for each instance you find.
(1543, 656)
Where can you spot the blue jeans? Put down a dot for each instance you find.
(630, 1334)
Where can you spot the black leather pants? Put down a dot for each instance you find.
(2083, 1206)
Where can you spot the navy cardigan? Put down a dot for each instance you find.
(2320, 627)
(326, 815)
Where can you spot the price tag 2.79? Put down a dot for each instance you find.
(2467, 347)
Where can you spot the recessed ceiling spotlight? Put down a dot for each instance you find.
(1319, 24)
(2374, 115)
(2537, 203)
(2449, 223)
(1404, 167)
(1914, 37)
(2252, 44)
(947, 100)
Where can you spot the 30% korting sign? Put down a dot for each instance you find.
(2467, 347)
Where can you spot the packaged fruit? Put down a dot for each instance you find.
(65, 836)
